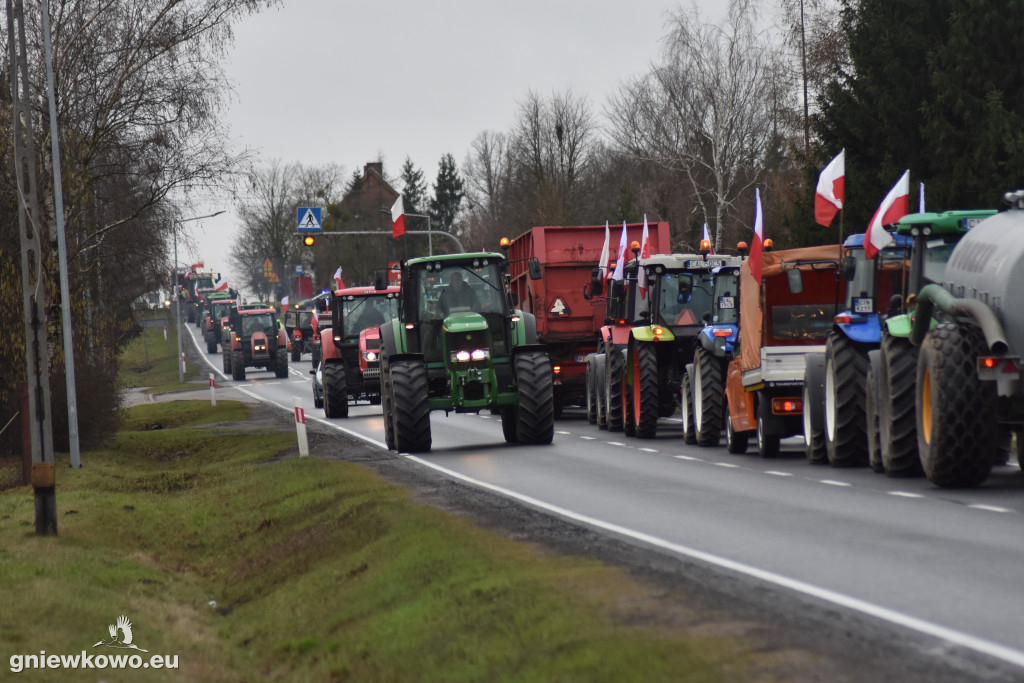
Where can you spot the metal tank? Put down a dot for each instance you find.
(987, 265)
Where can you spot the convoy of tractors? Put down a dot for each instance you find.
(907, 362)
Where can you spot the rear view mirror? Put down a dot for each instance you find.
(380, 279)
(796, 280)
(848, 268)
(596, 286)
(534, 268)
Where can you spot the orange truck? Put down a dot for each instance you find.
(782, 319)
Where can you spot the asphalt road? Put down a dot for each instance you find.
(899, 552)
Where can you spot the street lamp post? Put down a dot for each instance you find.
(177, 294)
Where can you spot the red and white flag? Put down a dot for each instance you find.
(398, 218)
(284, 304)
(895, 206)
(645, 252)
(602, 262)
(620, 260)
(338, 282)
(220, 285)
(707, 238)
(757, 247)
(828, 197)
(316, 320)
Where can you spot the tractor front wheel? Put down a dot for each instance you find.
(613, 388)
(535, 417)
(708, 390)
(335, 390)
(813, 410)
(645, 392)
(686, 409)
(412, 413)
(238, 366)
(281, 364)
(897, 424)
(846, 366)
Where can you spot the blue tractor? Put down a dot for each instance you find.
(835, 386)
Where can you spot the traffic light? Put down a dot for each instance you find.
(309, 240)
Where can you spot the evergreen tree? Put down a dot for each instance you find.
(414, 188)
(448, 194)
(354, 183)
(876, 107)
(974, 125)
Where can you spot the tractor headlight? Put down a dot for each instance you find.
(369, 356)
(465, 356)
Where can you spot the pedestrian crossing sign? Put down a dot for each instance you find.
(309, 219)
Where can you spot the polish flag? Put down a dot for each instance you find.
(338, 282)
(707, 237)
(316, 320)
(284, 305)
(602, 262)
(645, 252)
(757, 247)
(895, 206)
(220, 285)
(398, 218)
(620, 259)
(828, 198)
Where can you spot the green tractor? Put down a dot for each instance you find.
(459, 345)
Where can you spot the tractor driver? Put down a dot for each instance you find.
(458, 294)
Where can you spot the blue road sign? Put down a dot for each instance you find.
(309, 219)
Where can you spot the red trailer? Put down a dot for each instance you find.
(568, 323)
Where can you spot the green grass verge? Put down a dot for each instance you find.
(253, 566)
(150, 361)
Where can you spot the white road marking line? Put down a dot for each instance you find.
(726, 464)
(565, 433)
(685, 457)
(905, 494)
(1001, 652)
(650, 450)
(833, 482)
(616, 443)
(588, 438)
(776, 473)
(989, 508)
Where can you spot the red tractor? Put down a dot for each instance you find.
(349, 347)
(257, 341)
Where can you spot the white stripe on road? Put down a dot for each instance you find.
(1001, 652)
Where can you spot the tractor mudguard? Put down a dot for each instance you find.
(328, 352)
(646, 334)
(525, 348)
(899, 325)
(525, 332)
(867, 332)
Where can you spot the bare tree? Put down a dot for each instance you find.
(709, 110)
(488, 176)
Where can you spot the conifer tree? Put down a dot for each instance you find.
(414, 188)
(449, 190)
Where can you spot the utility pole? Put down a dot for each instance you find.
(32, 279)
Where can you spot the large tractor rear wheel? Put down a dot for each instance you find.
(956, 412)
(644, 393)
(296, 351)
(335, 390)
(613, 388)
(225, 356)
(412, 412)
(871, 403)
(708, 392)
(211, 346)
(535, 417)
(686, 409)
(281, 364)
(238, 365)
(814, 409)
(897, 424)
(846, 366)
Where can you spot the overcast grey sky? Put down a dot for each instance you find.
(333, 81)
